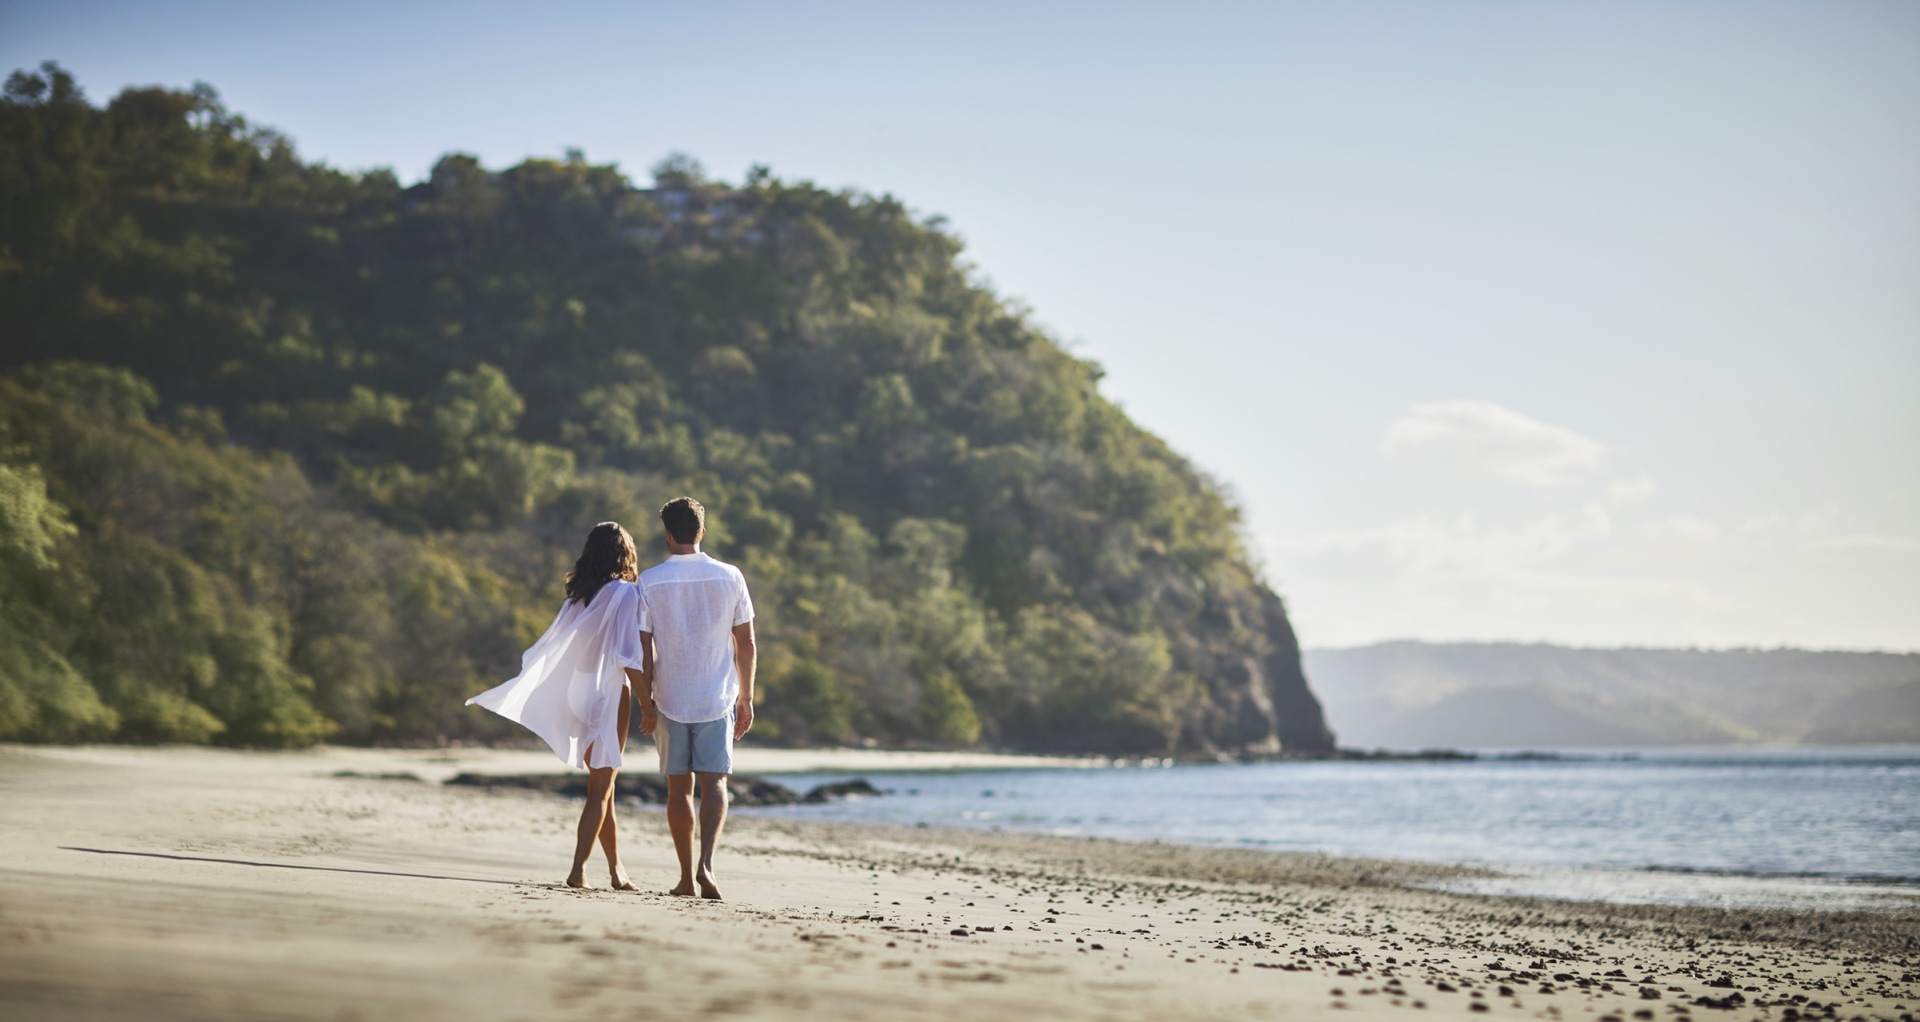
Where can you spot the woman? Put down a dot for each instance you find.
(573, 689)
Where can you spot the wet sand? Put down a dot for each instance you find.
(203, 884)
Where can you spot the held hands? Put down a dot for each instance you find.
(640, 685)
(742, 716)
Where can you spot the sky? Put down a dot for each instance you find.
(1594, 323)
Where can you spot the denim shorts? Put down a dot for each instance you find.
(705, 747)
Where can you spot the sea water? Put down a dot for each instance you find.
(1780, 827)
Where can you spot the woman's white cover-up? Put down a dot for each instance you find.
(572, 680)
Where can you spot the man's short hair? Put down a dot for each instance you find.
(684, 517)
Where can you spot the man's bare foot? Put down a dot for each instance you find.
(708, 889)
(620, 881)
(684, 889)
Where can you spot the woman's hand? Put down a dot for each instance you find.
(640, 683)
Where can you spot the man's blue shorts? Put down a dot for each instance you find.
(705, 747)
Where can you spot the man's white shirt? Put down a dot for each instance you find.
(691, 603)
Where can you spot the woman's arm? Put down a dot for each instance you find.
(626, 717)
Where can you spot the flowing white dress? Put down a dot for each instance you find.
(572, 680)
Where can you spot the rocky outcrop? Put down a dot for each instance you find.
(1259, 703)
(1298, 721)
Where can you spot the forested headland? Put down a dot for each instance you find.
(290, 453)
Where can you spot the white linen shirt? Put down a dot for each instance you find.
(691, 602)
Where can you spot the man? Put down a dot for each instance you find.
(696, 639)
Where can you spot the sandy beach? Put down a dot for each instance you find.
(182, 883)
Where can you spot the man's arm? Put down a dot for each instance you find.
(642, 681)
(743, 661)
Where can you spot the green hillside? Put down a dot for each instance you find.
(290, 453)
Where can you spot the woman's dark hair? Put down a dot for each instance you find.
(609, 554)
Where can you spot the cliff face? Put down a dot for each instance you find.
(1259, 702)
(1297, 718)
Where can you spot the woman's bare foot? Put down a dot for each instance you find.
(577, 880)
(620, 881)
(708, 889)
(684, 889)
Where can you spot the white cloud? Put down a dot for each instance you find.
(1681, 528)
(1758, 524)
(1462, 545)
(1628, 491)
(1592, 572)
(1585, 549)
(1558, 576)
(1496, 440)
(1903, 544)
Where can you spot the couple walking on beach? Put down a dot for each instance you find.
(676, 638)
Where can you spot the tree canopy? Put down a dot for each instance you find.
(291, 453)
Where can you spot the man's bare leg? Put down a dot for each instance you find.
(680, 825)
(713, 816)
(597, 813)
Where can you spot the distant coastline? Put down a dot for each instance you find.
(1418, 695)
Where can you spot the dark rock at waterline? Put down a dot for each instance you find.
(1382, 755)
(406, 775)
(836, 792)
(747, 789)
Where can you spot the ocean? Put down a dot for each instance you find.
(1834, 828)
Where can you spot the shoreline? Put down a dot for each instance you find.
(1893, 929)
(225, 884)
(439, 766)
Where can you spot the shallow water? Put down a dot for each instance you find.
(1788, 827)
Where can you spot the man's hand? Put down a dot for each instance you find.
(649, 718)
(745, 657)
(742, 716)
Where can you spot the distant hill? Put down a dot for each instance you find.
(1493, 695)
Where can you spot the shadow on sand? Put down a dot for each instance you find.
(284, 865)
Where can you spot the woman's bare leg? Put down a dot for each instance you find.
(595, 814)
(609, 842)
